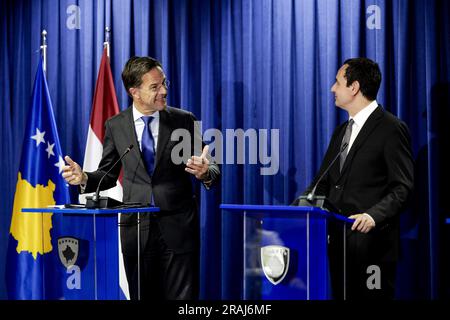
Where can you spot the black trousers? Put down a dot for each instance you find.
(358, 284)
(361, 269)
(164, 275)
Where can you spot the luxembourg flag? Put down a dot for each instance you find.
(104, 106)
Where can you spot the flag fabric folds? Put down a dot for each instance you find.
(32, 270)
(104, 106)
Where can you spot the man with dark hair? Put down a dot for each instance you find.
(371, 183)
(170, 238)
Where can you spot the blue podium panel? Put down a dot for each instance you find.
(86, 251)
(284, 252)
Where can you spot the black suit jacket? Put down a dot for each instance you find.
(170, 184)
(377, 178)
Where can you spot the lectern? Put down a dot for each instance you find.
(85, 251)
(283, 250)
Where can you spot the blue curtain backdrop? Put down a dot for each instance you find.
(247, 64)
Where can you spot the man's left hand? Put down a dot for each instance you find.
(198, 166)
(363, 222)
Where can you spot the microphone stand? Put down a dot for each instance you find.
(96, 201)
(311, 200)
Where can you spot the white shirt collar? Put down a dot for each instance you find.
(361, 117)
(138, 115)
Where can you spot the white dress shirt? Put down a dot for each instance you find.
(139, 126)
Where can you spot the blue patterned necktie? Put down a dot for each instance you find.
(148, 145)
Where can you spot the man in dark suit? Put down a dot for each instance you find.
(371, 183)
(153, 172)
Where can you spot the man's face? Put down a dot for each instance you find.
(343, 95)
(151, 95)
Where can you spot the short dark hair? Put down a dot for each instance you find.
(134, 70)
(367, 73)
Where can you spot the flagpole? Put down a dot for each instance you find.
(44, 66)
(106, 43)
(44, 50)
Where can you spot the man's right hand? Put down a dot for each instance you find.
(72, 173)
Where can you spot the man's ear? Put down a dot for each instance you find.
(133, 92)
(355, 87)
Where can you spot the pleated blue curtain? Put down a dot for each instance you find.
(266, 64)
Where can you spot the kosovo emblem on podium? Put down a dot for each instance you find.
(68, 251)
(275, 262)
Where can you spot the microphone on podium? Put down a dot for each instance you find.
(95, 201)
(311, 200)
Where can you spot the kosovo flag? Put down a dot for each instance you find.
(33, 270)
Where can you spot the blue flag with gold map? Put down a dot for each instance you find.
(33, 270)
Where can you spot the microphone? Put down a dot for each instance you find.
(311, 195)
(96, 201)
(321, 202)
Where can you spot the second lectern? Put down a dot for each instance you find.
(283, 252)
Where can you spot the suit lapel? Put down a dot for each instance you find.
(164, 133)
(370, 124)
(130, 131)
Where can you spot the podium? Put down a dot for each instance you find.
(83, 260)
(282, 254)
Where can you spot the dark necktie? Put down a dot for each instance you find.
(346, 139)
(148, 145)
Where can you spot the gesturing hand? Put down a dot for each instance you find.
(198, 166)
(72, 173)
